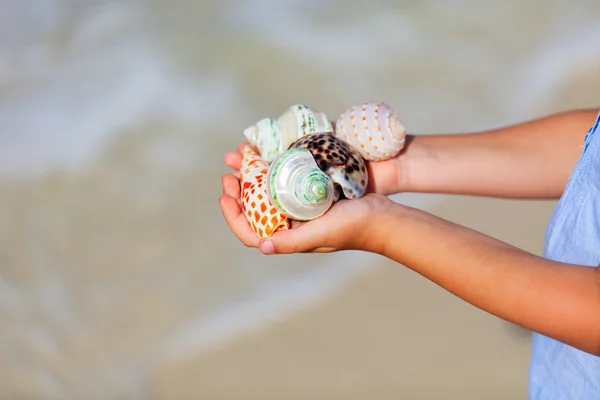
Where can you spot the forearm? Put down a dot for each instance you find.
(527, 160)
(559, 300)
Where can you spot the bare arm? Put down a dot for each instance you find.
(559, 300)
(527, 160)
(532, 159)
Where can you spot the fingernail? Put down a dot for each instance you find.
(267, 247)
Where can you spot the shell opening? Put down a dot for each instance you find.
(396, 127)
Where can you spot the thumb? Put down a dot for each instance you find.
(298, 240)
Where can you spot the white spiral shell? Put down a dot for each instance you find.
(297, 187)
(373, 129)
(272, 137)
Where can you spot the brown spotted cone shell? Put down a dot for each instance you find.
(340, 161)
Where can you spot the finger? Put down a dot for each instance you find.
(241, 147)
(233, 160)
(231, 186)
(237, 221)
(305, 238)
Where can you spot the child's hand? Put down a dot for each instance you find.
(348, 224)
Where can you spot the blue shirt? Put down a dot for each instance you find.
(559, 371)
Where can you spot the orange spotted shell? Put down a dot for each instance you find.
(263, 217)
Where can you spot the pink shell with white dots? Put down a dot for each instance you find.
(373, 129)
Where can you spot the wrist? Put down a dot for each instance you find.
(382, 224)
(412, 163)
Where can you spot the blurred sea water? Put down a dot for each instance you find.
(114, 117)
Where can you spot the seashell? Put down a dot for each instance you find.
(272, 137)
(263, 217)
(297, 187)
(374, 129)
(340, 161)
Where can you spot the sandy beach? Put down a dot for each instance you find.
(119, 278)
(390, 335)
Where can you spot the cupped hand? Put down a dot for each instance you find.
(345, 226)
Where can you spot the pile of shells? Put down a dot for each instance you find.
(304, 165)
